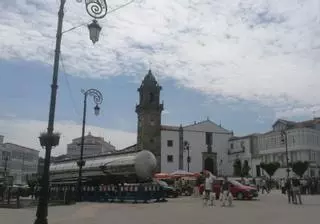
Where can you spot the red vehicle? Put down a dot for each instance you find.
(238, 190)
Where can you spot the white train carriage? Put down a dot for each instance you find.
(140, 164)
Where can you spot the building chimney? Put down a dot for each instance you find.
(1, 139)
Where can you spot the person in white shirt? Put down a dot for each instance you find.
(208, 186)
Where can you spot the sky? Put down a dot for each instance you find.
(242, 63)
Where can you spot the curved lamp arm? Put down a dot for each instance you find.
(96, 94)
(97, 9)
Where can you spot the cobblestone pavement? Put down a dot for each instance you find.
(272, 208)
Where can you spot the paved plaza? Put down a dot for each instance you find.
(272, 208)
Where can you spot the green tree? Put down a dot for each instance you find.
(237, 168)
(300, 167)
(270, 168)
(245, 169)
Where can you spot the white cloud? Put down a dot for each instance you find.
(311, 111)
(164, 112)
(259, 50)
(26, 132)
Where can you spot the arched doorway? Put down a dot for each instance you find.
(208, 164)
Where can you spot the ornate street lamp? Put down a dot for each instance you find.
(97, 98)
(94, 30)
(96, 9)
(284, 140)
(96, 110)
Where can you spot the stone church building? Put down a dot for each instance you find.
(201, 145)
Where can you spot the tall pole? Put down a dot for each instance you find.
(5, 169)
(188, 159)
(287, 154)
(81, 162)
(22, 168)
(42, 209)
(97, 10)
(97, 98)
(284, 139)
(187, 148)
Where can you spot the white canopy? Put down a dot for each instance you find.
(181, 173)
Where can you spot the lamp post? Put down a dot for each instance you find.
(220, 168)
(6, 159)
(97, 98)
(187, 148)
(284, 140)
(96, 9)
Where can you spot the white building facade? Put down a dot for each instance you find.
(303, 140)
(18, 161)
(245, 149)
(303, 143)
(207, 143)
(92, 146)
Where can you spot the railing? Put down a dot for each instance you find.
(134, 193)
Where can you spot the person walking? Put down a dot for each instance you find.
(208, 186)
(264, 186)
(225, 193)
(196, 190)
(296, 190)
(289, 191)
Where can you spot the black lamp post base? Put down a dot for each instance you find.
(41, 221)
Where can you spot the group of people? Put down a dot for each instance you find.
(210, 196)
(292, 187)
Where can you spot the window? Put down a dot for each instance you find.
(313, 156)
(231, 146)
(151, 97)
(169, 143)
(208, 138)
(151, 140)
(169, 158)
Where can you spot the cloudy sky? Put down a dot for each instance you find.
(243, 63)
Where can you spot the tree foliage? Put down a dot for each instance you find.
(245, 169)
(33, 180)
(270, 168)
(300, 167)
(237, 168)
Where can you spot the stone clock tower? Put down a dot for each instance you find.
(149, 117)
